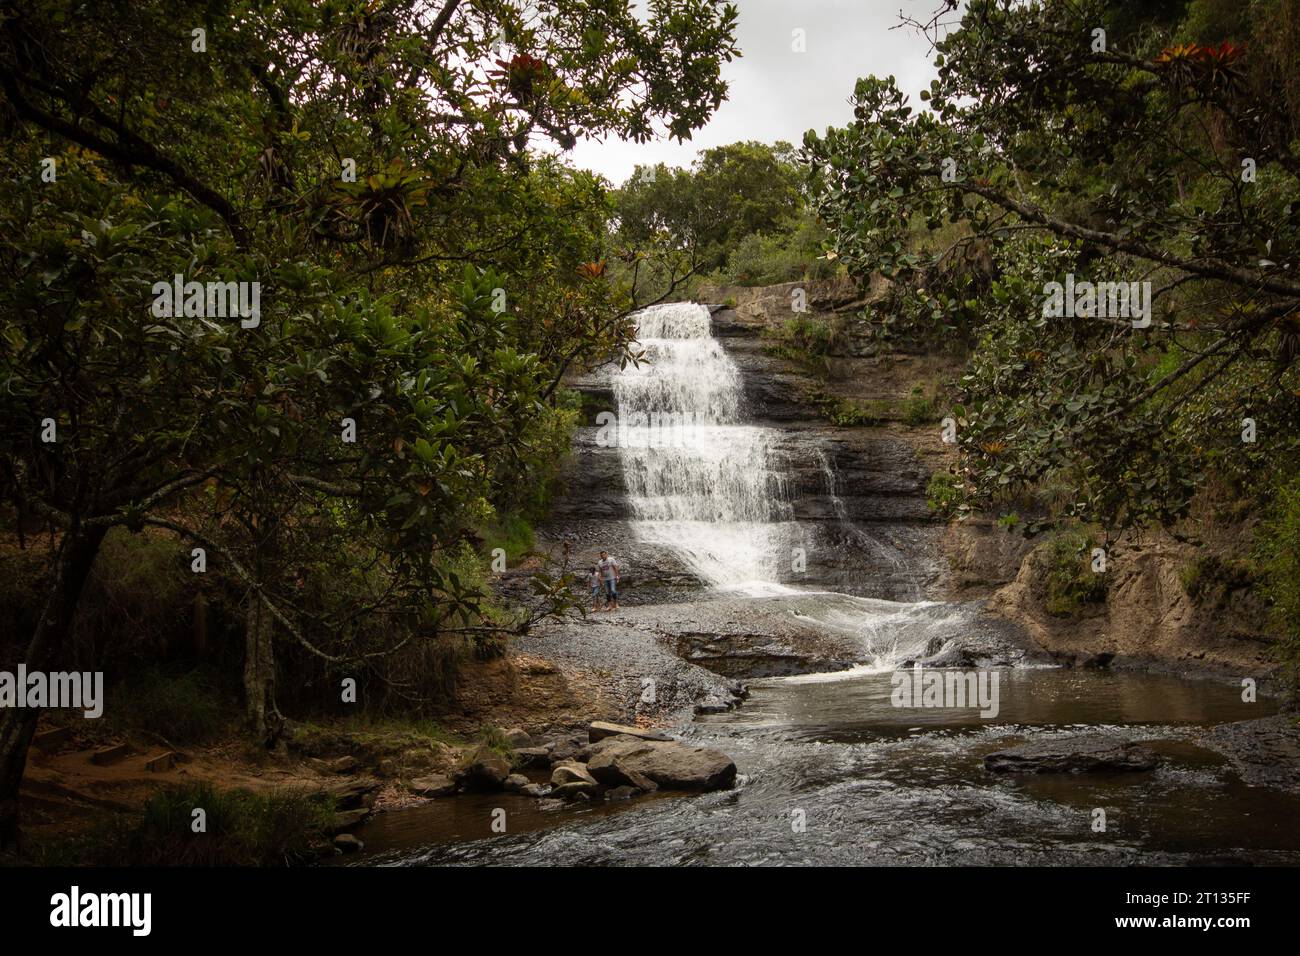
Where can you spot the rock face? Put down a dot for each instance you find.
(1072, 755)
(753, 307)
(1148, 614)
(484, 770)
(622, 760)
(859, 493)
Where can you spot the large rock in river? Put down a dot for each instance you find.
(570, 771)
(570, 779)
(1072, 755)
(485, 769)
(623, 760)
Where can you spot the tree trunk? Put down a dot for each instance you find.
(44, 652)
(263, 716)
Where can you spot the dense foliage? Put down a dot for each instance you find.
(1102, 142)
(426, 273)
(738, 215)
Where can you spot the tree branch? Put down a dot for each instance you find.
(137, 153)
(1212, 269)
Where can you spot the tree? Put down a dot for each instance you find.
(367, 172)
(1082, 139)
(679, 223)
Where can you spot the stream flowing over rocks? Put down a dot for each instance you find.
(776, 573)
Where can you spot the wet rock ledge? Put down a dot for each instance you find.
(1073, 755)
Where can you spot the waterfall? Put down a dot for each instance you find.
(890, 555)
(699, 482)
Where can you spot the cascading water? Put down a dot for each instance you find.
(698, 480)
(708, 487)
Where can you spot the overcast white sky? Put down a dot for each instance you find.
(776, 93)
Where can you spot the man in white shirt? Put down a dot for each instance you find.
(609, 573)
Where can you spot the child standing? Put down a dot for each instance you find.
(594, 580)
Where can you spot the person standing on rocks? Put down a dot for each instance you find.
(609, 572)
(594, 580)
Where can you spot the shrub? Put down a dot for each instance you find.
(494, 738)
(183, 707)
(137, 602)
(917, 409)
(1212, 578)
(943, 494)
(1071, 582)
(1278, 552)
(279, 828)
(848, 412)
(790, 254)
(807, 340)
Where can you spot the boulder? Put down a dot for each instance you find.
(347, 819)
(350, 794)
(568, 748)
(536, 790)
(416, 758)
(345, 764)
(1072, 755)
(571, 772)
(485, 769)
(600, 729)
(517, 737)
(530, 757)
(578, 790)
(434, 785)
(615, 771)
(516, 782)
(670, 764)
(347, 843)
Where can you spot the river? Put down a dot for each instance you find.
(831, 772)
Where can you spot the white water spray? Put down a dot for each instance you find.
(712, 494)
